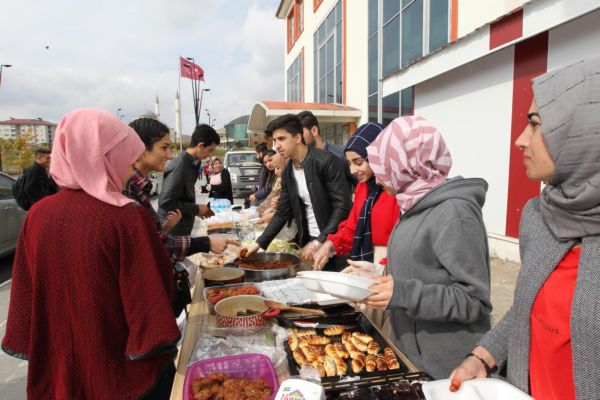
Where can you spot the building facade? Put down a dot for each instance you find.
(465, 65)
(43, 131)
(237, 131)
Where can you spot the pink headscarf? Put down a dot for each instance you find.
(410, 156)
(92, 151)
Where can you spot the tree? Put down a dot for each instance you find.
(23, 149)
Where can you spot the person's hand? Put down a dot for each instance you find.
(364, 268)
(323, 255)
(252, 198)
(309, 249)
(218, 244)
(470, 368)
(173, 218)
(204, 211)
(275, 201)
(266, 218)
(384, 287)
(248, 250)
(207, 187)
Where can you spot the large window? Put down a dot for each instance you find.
(294, 80)
(328, 58)
(397, 104)
(373, 64)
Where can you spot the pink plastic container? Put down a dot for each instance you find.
(243, 366)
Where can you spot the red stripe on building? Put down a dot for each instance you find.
(454, 21)
(531, 60)
(507, 29)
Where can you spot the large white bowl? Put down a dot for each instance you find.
(344, 286)
(473, 389)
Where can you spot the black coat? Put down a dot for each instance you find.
(38, 184)
(330, 195)
(223, 190)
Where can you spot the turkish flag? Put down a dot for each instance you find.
(190, 70)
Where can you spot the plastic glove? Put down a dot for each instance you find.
(173, 218)
(248, 250)
(309, 250)
(364, 268)
(218, 244)
(323, 255)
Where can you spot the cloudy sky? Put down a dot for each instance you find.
(121, 54)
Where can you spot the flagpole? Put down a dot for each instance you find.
(179, 93)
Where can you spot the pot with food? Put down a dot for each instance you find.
(244, 311)
(267, 266)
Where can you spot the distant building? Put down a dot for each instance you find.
(238, 131)
(43, 131)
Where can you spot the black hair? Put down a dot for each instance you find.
(308, 120)
(205, 134)
(261, 147)
(287, 122)
(270, 152)
(149, 130)
(41, 150)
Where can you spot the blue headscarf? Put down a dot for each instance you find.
(362, 245)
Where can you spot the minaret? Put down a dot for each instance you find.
(178, 120)
(157, 108)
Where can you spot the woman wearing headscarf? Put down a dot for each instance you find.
(90, 299)
(549, 340)
(220, 181)
(438, 290)
(365, 233)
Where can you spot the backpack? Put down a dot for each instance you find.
(21, 197)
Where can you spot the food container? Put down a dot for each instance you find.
(296, 388)
(211, 304)
(244, 366)
(229, 311)
(404, 386)
(343, 286)
(253, 266)
(473, 389)
(223, 276)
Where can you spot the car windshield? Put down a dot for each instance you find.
(241, 158)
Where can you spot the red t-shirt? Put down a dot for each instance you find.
(551, 361)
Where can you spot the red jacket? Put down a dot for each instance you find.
(90, 300)
(384, 215)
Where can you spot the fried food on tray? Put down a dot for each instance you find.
(220, 387)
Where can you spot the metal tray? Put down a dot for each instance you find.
(372, 388)
(362, 324)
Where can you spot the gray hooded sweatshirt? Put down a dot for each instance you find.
(438, 256)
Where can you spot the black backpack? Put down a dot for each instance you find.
(21, 197)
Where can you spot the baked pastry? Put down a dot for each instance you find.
(310, 332)
(341, 352)
(340, 365)
(373, 347)
(293, 343)
(299, 357)
(371, 363)
(338, 330)
(319, 367)
(363, 336)
(319, 340)
(381, 364)
(346, 337)
(329, 366)
(357, 365)
(359, 343)
(330, 350)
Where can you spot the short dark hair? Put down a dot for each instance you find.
(287, 122)
(261, 147)
(149, 130)
(270, 152)
(308, 120)
(41, 150)
(205, 134)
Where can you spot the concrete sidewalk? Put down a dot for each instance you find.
(13, 372)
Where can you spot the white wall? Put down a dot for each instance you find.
(472, 108)
(473, 14)
(574, 41)
(357, 61)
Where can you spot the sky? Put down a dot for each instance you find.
(114, 54)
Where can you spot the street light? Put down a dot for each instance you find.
(1, 66)
(208, 114)
(200, 107)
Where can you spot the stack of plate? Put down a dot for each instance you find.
(343, 286)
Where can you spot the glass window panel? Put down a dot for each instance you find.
(412, 32)
(373, 108)
(330, 23)
(391, 46)
(300, 83)
(391, 107)
(338, 40)
(373, 64)
(407, 106)
(339, 79)
(322, 62)
(406, 3)
(438, 24)
(330, 49)
(321, 34)
(390, 8)
(322, 91)
(373, 16)
(330, 88)
(338, 11)
(316, 93)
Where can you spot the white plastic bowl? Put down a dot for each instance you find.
(344, 286)
(473, 389)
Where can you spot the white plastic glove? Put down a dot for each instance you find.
(248, 250)
(309, 250)
(364, 268)
(323, 255)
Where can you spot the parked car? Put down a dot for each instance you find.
(11, 216)
(157, 179)
(243, 168)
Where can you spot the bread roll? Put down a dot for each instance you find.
(359, 343)
(299, 357)
(319, 367)
(329, 365)
(363, 336)
(310, 332)
(330, 350)
(373, 347)
(341, 352)
(338, 330)
(293, 343)
(340, 365)
(371, 363)
(381, 364)
(357, 365)
(319, 340)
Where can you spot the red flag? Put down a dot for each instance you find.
(191, 70)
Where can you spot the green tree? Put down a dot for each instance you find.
(23, 149)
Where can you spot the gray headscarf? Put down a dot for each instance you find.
(568, 102)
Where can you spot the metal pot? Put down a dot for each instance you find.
(227, 311)
(259, 275)
(223, 276)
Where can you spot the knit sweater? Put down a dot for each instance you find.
(541, 252)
